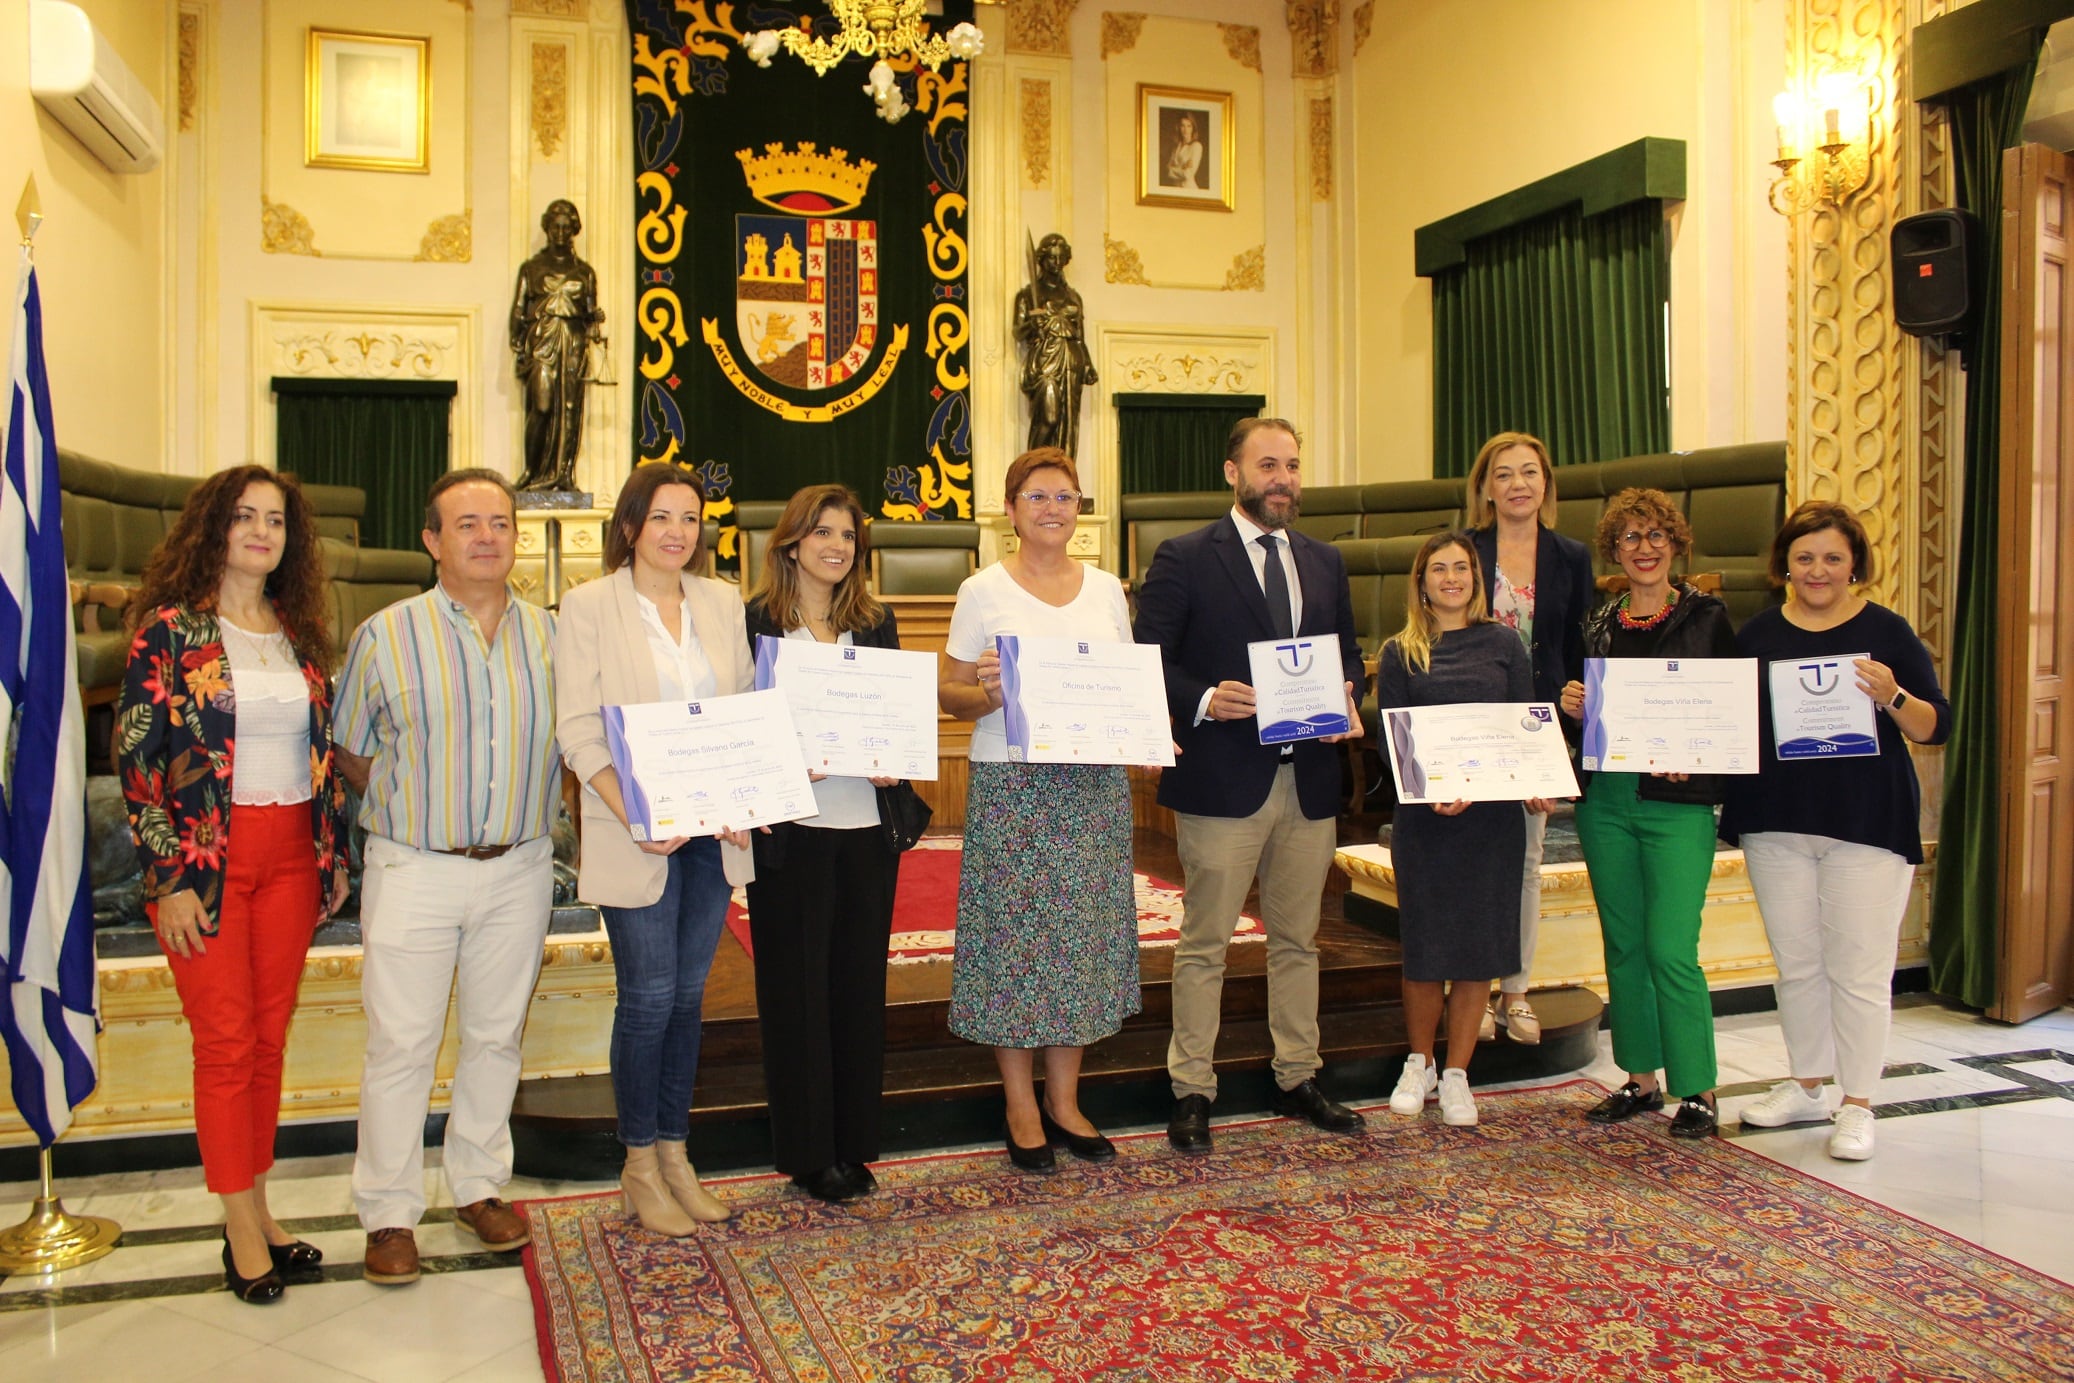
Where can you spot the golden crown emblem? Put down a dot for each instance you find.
(806, 181)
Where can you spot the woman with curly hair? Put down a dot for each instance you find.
(1649, 839)
(224, 747)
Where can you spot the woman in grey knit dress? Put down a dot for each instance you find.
(1458, 864)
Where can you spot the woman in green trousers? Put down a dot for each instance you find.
(1649, 839)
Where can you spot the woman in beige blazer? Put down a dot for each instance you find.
(649, 630)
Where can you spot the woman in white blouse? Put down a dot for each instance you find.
(224, 750)
(649, 630)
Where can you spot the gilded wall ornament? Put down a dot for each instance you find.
(190, 52)
(1248, 272)
(1185, 372)
(370, 352)
(550, 96)
(285, 231)
(1242, 41)
(1313, 37)
(1120, 33)
(1120, 263)
(449, 240)
(551, 9)
(1039, 26)
(1364, 20)
(1036, 118)
(1321, 148)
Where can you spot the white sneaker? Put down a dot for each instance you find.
(1788, 1103)
(1851, 1139)
(1413, 1086)
(1457, 1105)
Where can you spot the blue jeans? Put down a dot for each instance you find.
(660, 956)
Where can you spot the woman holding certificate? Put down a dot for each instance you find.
(1540, 586)
(648, 630)
(821, 905)
(1458, 863)
(1047, 942)
(1649, 839)
(1828, 824)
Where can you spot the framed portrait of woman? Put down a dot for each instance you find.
(1185, 143)
(368, 101)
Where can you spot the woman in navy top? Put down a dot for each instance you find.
(1831, 838)
(1540, 586)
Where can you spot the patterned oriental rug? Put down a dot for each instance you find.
(1533, 1247)
(925, 906)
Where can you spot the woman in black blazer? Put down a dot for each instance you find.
(1540, 586)
(821, 905)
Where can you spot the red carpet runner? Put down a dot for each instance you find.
(925, 906)
(1535, 1247)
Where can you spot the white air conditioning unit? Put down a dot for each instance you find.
(79, 79)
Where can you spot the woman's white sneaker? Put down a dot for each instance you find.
(1788, 1103)
(1457, 1105)
(1413, 1086)
(1851, 1139)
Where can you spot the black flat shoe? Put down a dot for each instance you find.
(1695, 1119)
(827, 1184)
(297, 1257)
(859, 1176)
(1037, 1159)
(1189, 1129)
(1309, 1103)
(264, 1290)
(1087, 1149)
(1624, 1104)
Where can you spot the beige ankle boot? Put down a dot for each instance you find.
(642, 1192)
(677, 1174)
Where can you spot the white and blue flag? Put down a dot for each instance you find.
(49, 1002)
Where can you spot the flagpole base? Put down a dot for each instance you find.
(52, 1239)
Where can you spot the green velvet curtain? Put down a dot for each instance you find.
(388, 437)
(1556, 327)
(1966, 905)
(1168, 442)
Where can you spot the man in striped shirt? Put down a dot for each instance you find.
(445, 726)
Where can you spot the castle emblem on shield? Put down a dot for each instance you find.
(806, 283)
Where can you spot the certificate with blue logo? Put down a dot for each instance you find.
(860, 712)
(1490, 751)
(1819, 711)
(1670, 715)
(695, 768)
(1082, 701)
(1299, 689)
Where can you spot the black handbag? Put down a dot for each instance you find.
(903, 815)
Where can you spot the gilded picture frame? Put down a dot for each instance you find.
(368, 102)
(1185, 143)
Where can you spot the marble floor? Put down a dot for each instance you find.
(1977, 1137)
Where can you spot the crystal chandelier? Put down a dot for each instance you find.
(879, 29)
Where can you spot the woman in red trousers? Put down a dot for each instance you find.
(223, 741)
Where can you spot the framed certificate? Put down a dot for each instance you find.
(1819, 711)
(1670, 715)
(860, 712)
(1299, 689)
(695, 768)
(1082, 701)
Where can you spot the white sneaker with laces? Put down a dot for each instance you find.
(1788, 1103)
(1457, 1105)
(1851, 1139)
(1413, 1086)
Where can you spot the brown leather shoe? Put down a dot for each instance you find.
(495, 1223)
(392, 1257)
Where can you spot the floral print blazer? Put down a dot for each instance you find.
(174, 749)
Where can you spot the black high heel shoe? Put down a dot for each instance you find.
(1087, 1149)
(264, 1290)
(297, 1258)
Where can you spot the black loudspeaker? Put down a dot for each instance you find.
(1936, 272)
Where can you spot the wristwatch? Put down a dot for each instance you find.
(1900, 700)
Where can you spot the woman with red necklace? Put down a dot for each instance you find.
(1649, 839)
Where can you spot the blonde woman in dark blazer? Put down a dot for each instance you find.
(649, 630)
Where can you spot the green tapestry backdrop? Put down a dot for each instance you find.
(801, 267)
